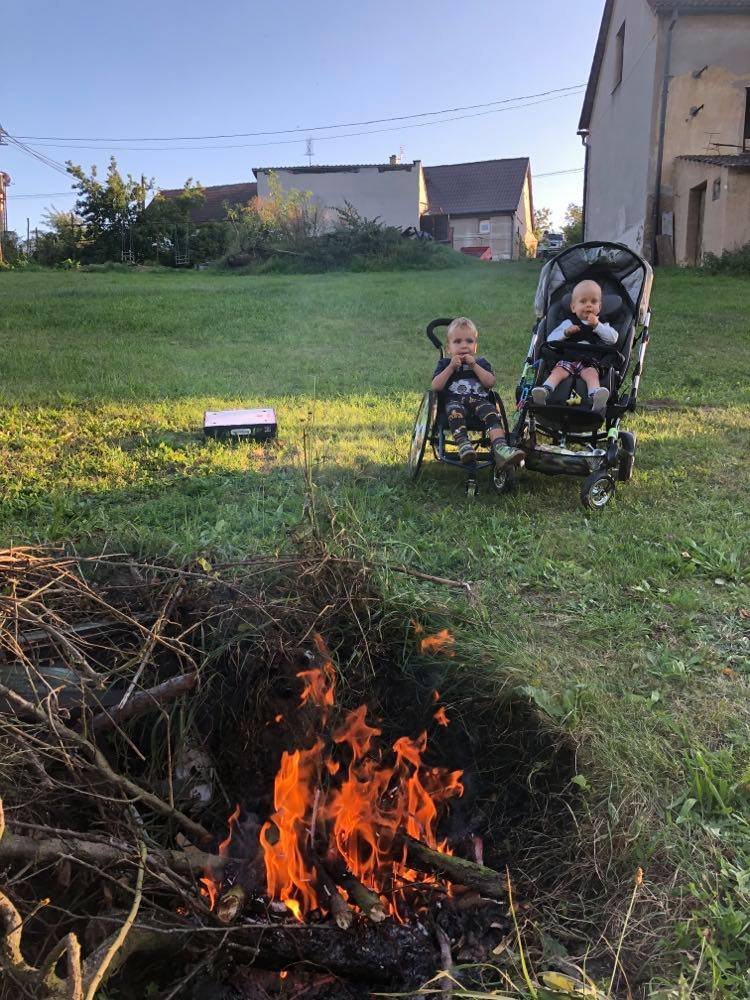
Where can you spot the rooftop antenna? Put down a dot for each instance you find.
(400, 154)
(309, 151)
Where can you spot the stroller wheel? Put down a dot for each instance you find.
(420, 435)
(597, 490)
(504, 480)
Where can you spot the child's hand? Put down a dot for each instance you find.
(456, 361)
(570, 330)
(592, 318)
(470, 360)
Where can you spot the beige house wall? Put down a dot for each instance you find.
(726, 219)
(392, 195)
(620, 141)
(722, 43)
(525, 220)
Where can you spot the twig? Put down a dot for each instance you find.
(196, 969)
(102, 765)
(144, 701)
(151, 642)
(103, 965)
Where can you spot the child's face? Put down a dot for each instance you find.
(462, 341)
(586, 302)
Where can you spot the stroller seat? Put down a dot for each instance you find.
(568, 409)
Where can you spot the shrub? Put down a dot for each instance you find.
(729, 262)
(282, 235)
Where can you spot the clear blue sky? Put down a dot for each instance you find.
(165, 68)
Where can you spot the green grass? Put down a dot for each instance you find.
(628, 625)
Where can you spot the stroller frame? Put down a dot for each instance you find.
(579, 444)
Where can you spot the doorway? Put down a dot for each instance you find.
(696, 213)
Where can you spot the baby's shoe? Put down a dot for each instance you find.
(466, 452)
(504, 454)
(539, 395)
(599, 399)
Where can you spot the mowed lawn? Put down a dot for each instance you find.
(631, 625)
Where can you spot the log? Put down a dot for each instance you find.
(145, 701)
(387, 954)
(14, 847)
(331, 898)
(230, 904)
(362, 897)
(485, 880)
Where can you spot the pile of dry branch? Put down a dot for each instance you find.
(138, 705)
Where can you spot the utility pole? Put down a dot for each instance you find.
(28, 236)
(309, 152)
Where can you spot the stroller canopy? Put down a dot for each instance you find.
(587, 260)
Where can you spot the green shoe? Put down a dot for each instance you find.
(504, 454)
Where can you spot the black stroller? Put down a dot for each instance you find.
(565, 437)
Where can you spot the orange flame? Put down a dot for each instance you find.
(210, 883)
(319, 682)
(286, 834)
(378, 796)
(441, 642)
(441, 718)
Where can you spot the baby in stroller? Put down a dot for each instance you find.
(585, 305)
(466, 381)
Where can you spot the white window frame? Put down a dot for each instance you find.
(485, 227)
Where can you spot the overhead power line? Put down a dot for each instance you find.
(305, 128)
(320, 138)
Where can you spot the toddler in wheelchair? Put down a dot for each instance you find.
(465, 382)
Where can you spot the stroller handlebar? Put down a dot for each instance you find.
(431, 336)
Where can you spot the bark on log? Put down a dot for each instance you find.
(424, 859)
(144, 701)
(14, 847)
(367, 901)
(329, 895)
(386, 954)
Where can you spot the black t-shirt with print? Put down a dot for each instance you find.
(463, 381)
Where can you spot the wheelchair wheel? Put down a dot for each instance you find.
(504, 480)
(597, 490)
(627, 456)
(421, 433)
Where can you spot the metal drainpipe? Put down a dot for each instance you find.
(584, 134)
(662, 125)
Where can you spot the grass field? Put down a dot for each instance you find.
(631, 626)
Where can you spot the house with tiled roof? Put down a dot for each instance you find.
(216, 198)
(484, 204)
(666, 126)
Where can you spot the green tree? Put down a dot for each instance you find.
(573, 227)
(108, 209)
(542, 221)
(11, 245)
(166, 219)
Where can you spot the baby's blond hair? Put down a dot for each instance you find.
(586, 283)
(461, 323)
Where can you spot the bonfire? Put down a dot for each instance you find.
(187, 746)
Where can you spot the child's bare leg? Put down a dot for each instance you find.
(597, 394)
(540, 393)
